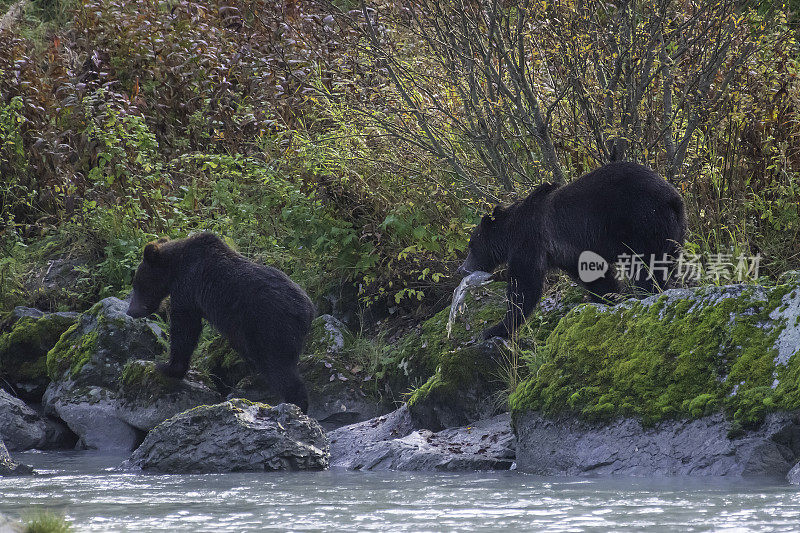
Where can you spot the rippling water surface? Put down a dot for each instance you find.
(93, 497)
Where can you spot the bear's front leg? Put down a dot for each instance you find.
(184, 331)
(524, 291)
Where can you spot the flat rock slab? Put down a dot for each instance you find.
(233, 436)
(391, 442)
(701, 447)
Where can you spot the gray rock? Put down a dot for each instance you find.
(390, 443)
(23, 428)
(91, 413)
(328, 335)
(349, 440)
(9, 467)
(701, 447)
(147, 398)
(793, 476)
(105, 385)
(233, 436)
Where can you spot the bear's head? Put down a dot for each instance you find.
(487, 245)
(151, 281)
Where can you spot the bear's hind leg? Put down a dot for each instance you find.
(288, 384)
(276, 360)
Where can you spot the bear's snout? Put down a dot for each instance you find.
(136, 309)
(468, 266)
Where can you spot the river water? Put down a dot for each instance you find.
(84, 487)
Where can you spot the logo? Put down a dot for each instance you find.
(591, 266)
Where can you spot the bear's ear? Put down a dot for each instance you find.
(152, 254)
(162, 240)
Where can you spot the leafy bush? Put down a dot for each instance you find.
(123, 121)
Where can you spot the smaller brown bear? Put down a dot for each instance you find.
(264, 315)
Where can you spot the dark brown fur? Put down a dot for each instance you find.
(621, 208)
(264, 315)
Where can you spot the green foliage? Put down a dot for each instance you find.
(58, 11)
(11, 291)
(46, 522)
(14, 191)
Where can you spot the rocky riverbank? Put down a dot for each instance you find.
(690, 382)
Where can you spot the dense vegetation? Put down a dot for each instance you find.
(348, 153)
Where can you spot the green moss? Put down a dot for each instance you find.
(457, 369)
(138, 376)
(683, 358)
(427, 364)
(71, 352)
(23, 349)
(321, 339)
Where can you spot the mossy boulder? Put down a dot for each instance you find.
(341, 390)
(337, 391)
(465, 387)
(328, 336)
(147, 397)
(27, 335)
(686, 353)
(104, 384)
(415, 358)
(95, 349)
(463, 378)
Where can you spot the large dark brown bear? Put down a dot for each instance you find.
(264, 315)
(615, 212)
